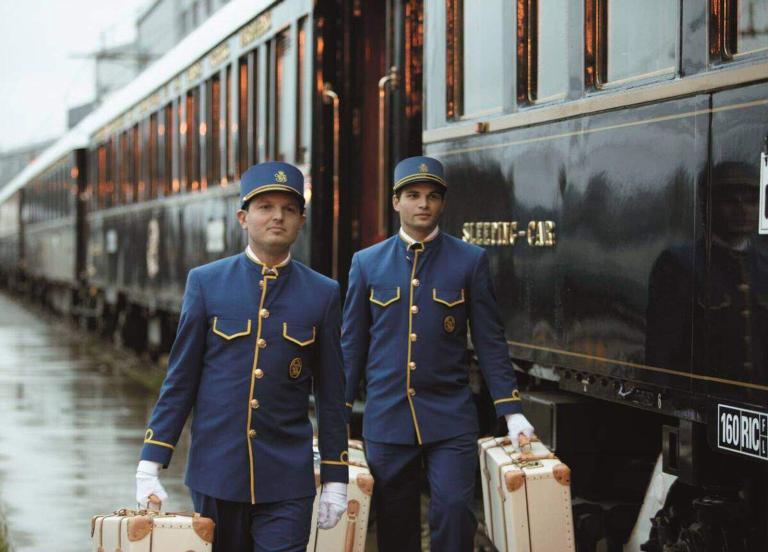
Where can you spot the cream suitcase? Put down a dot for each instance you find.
(149, 531)
(526, 498)
(350, 533)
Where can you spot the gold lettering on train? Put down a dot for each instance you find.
(194, 72)
(255, 29)
(218, 55)
(537, 233)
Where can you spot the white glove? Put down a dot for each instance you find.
(148, 483)
(333, 504)
(517, 424)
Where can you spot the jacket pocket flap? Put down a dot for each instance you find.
(300, 335)
(230, 328)
(384, 296)
(448, 297)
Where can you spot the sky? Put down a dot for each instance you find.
(40, 73)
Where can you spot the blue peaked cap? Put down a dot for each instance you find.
(271, 176)
(419, 169)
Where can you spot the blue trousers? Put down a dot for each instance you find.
(450, 467)
(271, 527)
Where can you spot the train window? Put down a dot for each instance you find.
(634, 40)
(542, 50)
(123, 150)
(179, 181)
(242, 115)
(229, 126)
(474, 56)
(302, 95)
(48, 197)
(263, 134)
(192, 145)
(92, 182)
(101, 177)
(285, 86)
(213, 142)
(57, 203)
(739, 27)
(60, 192)
(752, 17)
(137, 180)
(166, 131)
(152, 158)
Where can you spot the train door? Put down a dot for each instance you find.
(368, 82)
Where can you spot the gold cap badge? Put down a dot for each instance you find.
(423, 168)
(280, 177)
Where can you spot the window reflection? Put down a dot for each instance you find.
(552, 63)
(285, 83)
(753, 26)
(481, 59)
(642, 38)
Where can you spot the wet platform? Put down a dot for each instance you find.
(71, 429)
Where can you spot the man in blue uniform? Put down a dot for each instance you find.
(410, 302)
(257, 331)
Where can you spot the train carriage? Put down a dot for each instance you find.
(42, 216)
(165, 164)
(606, 153)
(608, 156)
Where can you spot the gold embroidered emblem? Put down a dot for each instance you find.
(280, 177)
(423, 168)
(449, 324)
(295, 368)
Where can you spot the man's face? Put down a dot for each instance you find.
(273, 221)
(420, 206)
(735, 211)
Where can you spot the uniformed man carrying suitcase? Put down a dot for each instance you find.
(256, 332)
(410, 302)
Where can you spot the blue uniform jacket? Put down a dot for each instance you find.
(405, 325)
(249, 347)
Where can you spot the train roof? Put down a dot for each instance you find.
(72, 140)
(225, 21)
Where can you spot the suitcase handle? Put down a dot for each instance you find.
(522, 440)
(154, 503)
(524, 443)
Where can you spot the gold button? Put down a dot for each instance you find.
(254, 404)
(745, 313)
(412, 392)
(412, 365)
(261, 284)
(414, 337)
(415, 282)
(264, 313)
(415, 309)
(743, 287)
(261, 343)
(259, 373)
(252, 433)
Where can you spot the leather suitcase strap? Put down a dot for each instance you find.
(352, 510)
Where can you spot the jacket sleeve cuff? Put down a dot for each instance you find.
(156, 450)
(508, 405)
(334, 472)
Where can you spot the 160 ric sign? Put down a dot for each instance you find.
(743, 431)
